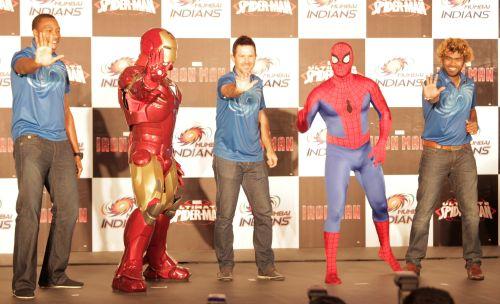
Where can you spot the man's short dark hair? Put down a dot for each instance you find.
(428, 295)
(243, 40)
(39, 18)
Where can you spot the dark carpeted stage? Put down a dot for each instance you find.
(365, 279)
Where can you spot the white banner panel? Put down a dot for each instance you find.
(107, 66)
(74, 17)
(10, 45)
(207, 18)
(332, 19)
(399, 66)
(465, 19)
(401, 192)
(83, 123)
(485, 143)
(193, 141)
(285, 201)
(312, 149)
(7, 214)
(112, 204)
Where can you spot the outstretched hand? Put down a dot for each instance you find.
(430, 89)
(156, 68)
(243, 83)
(43, 52)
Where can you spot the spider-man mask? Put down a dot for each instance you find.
(341, 59)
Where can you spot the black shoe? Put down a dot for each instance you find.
(66, 283)
(24, 294)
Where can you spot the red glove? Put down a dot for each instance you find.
(302, 121)
(180, 173)
(378, 153)
(156, 69)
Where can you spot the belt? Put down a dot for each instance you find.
(435, 145)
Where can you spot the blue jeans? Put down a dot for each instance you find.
(41, 162)
(436, 166)
(253, 177)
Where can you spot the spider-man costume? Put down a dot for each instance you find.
(150, 102)
(343, 101)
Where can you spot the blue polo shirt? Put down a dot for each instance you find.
(445, 120)
(237, 137)
(38, 99)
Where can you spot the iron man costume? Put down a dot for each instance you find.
(343, 102)
(150, 102)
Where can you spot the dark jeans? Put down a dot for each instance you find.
(435, 167)
(252, 176)
(41, 162)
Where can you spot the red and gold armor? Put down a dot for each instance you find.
(150, 102)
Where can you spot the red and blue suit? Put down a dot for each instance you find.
(150, 102)
(343, 101)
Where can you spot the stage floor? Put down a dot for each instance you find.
(364, 279)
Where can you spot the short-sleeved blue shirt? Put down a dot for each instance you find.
(237, 137)
(445, 120)
(38, 99)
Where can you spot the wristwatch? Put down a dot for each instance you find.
(79, 154)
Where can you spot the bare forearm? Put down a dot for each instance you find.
(265, 131)
(473, 116)
(25, 66)
(265, 137)
(71, 132)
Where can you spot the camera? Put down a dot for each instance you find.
(407, 281)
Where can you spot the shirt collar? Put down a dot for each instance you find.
(446, 79)
(252, 76)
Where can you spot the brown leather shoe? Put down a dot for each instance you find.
(413, 267)
(474, 272)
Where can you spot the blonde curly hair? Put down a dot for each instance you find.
(455, 45)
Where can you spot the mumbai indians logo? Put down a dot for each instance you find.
(464, 9)
(398, 201)
(263, 65)
(268, 69)
(319, 138)
(121, 7)
(399, 72)
(399, 7)
(245, 208)
(320, 3)
(195, 142)
(279, 217)
(191, 136)
(394, 66)
(6, 219)
(455, 3)
(116, 67)
(56, 7)
(331, 9)
(120, 207)
(267, 7)
(196, 8)
(7, 6)
(401, 208)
